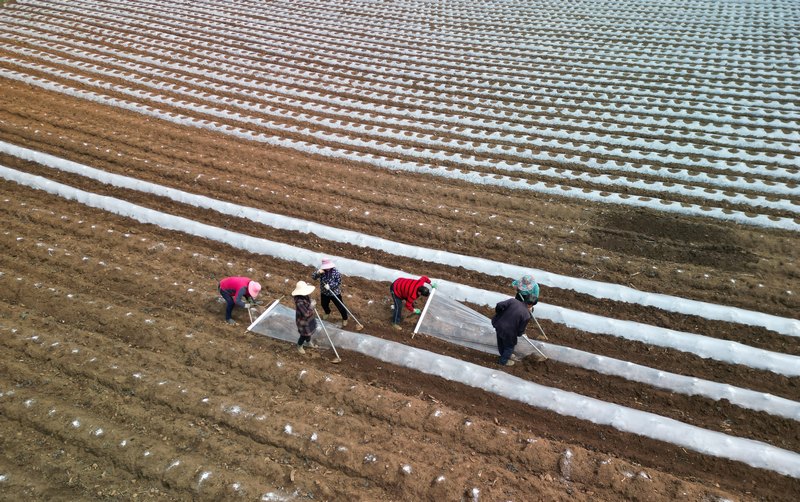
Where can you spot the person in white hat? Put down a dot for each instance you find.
(304, 314)
(330, 284)
(241, 291)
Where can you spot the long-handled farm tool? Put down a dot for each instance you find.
(544, 337)
(535, 347)
(338, 359)
(359, 326)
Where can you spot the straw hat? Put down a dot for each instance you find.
(253, 288)
(302, 289)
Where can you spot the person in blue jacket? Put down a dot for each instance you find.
(330, 288)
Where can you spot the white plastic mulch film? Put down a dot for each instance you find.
(443, 318)
(277, 321)
(456, 323)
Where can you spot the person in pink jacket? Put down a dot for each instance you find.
(240, 291)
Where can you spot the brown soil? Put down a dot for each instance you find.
(121, 381)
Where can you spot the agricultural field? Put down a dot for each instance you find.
(639, 158)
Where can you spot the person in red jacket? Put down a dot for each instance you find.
(406, 291)
(238, 291)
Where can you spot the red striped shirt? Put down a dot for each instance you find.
(406, 289)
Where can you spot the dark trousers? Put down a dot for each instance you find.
(229, 303)
(337, 300)
(398, 304)
(505, 347)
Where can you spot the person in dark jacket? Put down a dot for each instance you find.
(330, 284)
(305, 315)
(526, 286)
(509, 322)
(405, 292)
(238, 291)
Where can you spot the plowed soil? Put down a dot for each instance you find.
(120, 380)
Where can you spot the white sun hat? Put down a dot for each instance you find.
(302, 289)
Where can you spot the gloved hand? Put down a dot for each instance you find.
(417, 311)
(313, 304)
(433, 285)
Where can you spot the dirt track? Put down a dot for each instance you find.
(120, 379)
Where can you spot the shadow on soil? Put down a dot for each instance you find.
(669, 238)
